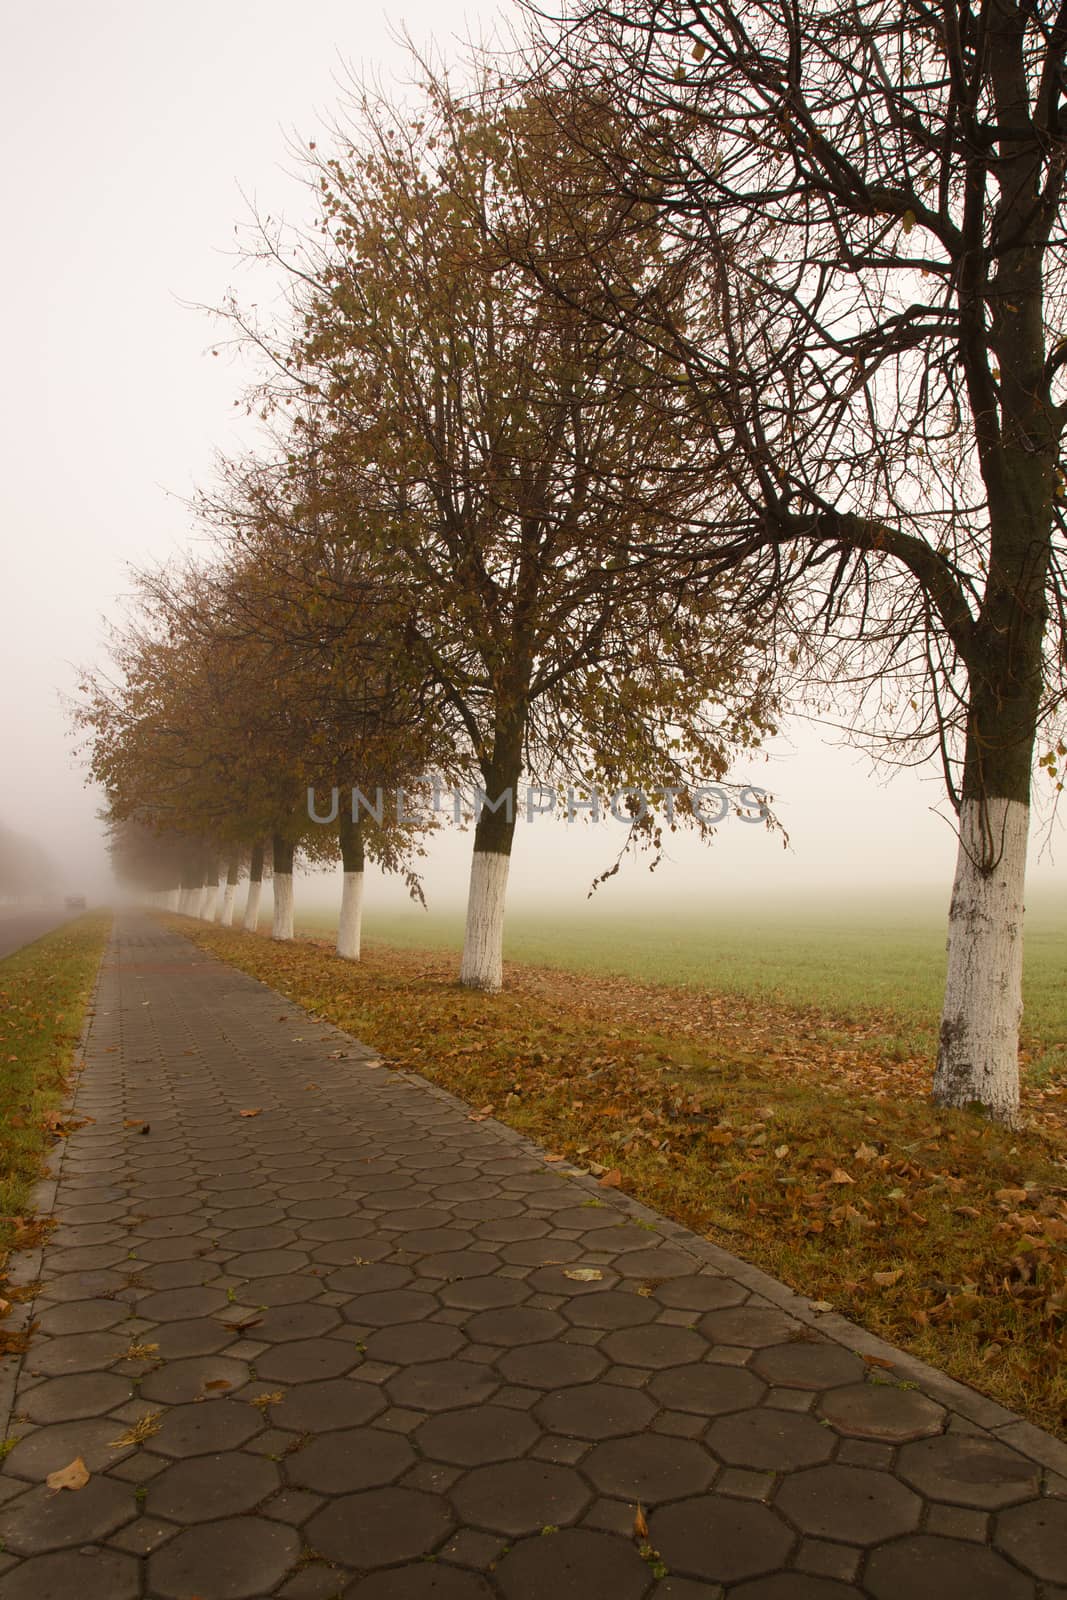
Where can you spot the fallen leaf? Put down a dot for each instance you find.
(877, 1361)
(781, 1152)
(865, 1153)
(555, 1158)
(1015, 1196)
(133, 1122)
(839, 1175)
(255, 1112)
(821, 1305)
(583, 1274)
(611, 1180)
(75, 1476)
(218, 1383)
(886, 1280)
(640, 1523)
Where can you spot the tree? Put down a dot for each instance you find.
(508, 464)
(308, 594)
(866, 202)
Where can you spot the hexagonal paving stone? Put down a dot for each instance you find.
(204, 1488)
(748, 1326)
(719, 1539)
(574, 1564)
(240, 1558)
(656, 1345)
(82, 1316)
(514, 1325)
(268, 1263)
(350, 1459)
(794, 1586)
(706, 1389)
(456, 1264)
(441, 1385)
(549, 1366)
(403, 1343)
(286, 1290)
(477, 1436)
(968, 1470)
(202, 1336)
(380, 1527)
(929, 1568)
(83, 1394)
(881, 1411)
(702, 1291)
(200, 1376)
(850, 1504)
(516, 1497)
(424, 1581)
(393, 1305)
(282, 1323)
(40, 1520)
(79, 1352)
(1035, 1535)
(650, 1467)
(201, 1430)
(479, 1294)
(90, 1575)
(655, 1261)
(807, 1365)
(305, 1359)
(611, 1308)
(595, 1411)
(47, 1449)
(768, 1440)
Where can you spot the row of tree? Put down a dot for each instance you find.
(697, 355)
(25, 868)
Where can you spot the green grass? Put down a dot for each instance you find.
(889, 969)
(44, 991)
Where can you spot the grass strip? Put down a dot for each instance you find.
(787, 1134)
(44, 992)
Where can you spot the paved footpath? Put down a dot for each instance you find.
(339, 1349)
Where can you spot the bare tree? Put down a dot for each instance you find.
(865, 200)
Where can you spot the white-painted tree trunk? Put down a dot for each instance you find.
(229, 895)
(978, 1059)
(174, 898)
(207, 907)
(349, 927)
(283, 906)
(255, 891)
(482, 965)
(196, 904)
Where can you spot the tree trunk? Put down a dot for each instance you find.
(349, 927)
(978, 1058)
(978, 1053)
(483, 941)
(283, 889)
(174, 899)
(255, 889)
(211, 895)
(230, 892)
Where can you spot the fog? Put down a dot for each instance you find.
(135, 138)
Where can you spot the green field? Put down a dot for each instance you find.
(847, 961)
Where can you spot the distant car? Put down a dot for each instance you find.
(75, 902)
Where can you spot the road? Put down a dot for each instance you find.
(23, 927)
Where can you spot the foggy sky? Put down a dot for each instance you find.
(134, 138)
